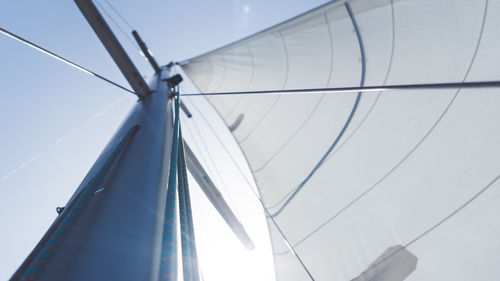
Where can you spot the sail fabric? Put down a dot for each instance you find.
(399, 185)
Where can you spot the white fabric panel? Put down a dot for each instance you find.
(413, 170)
(287, 266)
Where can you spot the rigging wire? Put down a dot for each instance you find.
(217, 172)
(119, 14)
(206, 163)
(198, 148)
(210, 157)
(379, 88)
(127, 35)
(223, 145)
(257, 196)
(222, 183)
(60, 58)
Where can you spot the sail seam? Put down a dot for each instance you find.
(296, 190)
(369, 111)
(285, 49)
(250, 83)
(253, 64)
(313, 110)
(234, 107)
(439, 223)
(330, 39)
(412, 150)
(223, 72)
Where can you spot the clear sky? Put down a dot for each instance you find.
(55, 119)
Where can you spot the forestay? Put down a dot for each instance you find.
(398, 185)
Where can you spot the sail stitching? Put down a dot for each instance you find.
(296, 190)
(369, 111)
(250, 83)
(223, 71)
(285, 49)
(306, 120)
(372, 105)
(439, 223)
(411, 151)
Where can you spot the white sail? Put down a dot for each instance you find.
(398, 185)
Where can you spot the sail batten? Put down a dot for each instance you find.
(409, 189)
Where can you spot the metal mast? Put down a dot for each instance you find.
(121, 222)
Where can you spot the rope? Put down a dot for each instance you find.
(168, 262)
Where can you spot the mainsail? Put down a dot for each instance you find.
(398, 185)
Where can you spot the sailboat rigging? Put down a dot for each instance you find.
(369, 127)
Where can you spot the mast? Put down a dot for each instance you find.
(121, 222)
(115, 49)
(118, 230)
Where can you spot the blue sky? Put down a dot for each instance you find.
(55, 119)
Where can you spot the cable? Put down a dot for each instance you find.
(127, 35)
(209, 155)
(266, 212)
(217, 172)
(47, 52)
(219, 175)
(222, 143)
(212, 162)
(338, 90)
(119, 15)
(292, 249)
(188, 128)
